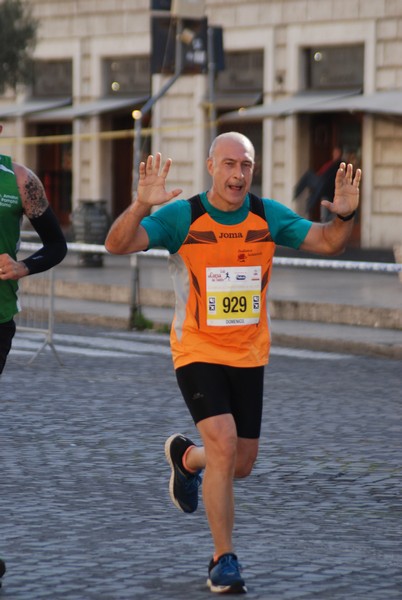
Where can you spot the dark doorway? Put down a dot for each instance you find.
(122, 162)
(54, 168)
(336, 130)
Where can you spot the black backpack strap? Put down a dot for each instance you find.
(197, 208)
(257, 206)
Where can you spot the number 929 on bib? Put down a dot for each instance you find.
(233, 296)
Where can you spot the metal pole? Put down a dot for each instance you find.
(178, 65)
(138, 115)
(211, 84)
(137, 151)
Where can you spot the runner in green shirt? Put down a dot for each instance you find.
(22, 193)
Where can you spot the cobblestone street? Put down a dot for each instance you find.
(85, 509)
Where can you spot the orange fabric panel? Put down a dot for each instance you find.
(222, 318)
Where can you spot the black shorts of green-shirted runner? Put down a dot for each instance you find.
(2, 569)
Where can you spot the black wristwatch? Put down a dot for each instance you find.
(348, 217)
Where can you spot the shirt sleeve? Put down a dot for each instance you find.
(54, 243)
(287, 227)
(168, 226)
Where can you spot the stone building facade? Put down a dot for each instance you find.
(299, 77)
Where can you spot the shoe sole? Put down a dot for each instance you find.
(168, 443)
(235, 588)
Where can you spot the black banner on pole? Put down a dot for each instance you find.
(161, 4)
(218, 49)
(193, 45)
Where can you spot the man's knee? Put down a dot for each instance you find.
(245, 461)
(244, 467)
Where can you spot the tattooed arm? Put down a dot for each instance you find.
(36, 207)
(34, 201)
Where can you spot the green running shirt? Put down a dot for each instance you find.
(10, 224)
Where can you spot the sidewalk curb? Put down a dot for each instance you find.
(92, 319)
(341, 314)
(342, 346)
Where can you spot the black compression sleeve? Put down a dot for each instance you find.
(54, 243)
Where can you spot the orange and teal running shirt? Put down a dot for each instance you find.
(221, 265)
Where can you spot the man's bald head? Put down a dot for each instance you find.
(232, 136)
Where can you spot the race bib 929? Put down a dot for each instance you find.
(233, 295)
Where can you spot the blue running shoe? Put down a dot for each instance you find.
(224, 575)
(183, 485)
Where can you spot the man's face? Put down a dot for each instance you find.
(231, 168)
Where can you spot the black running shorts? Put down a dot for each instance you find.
(7, 331)
(210, 390)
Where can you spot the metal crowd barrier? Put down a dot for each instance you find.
(37, 314)
(315, 263)
(38, 301)
(339, 265)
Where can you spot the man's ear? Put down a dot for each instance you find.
(210, 165)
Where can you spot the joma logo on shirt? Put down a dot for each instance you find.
(230, 235)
